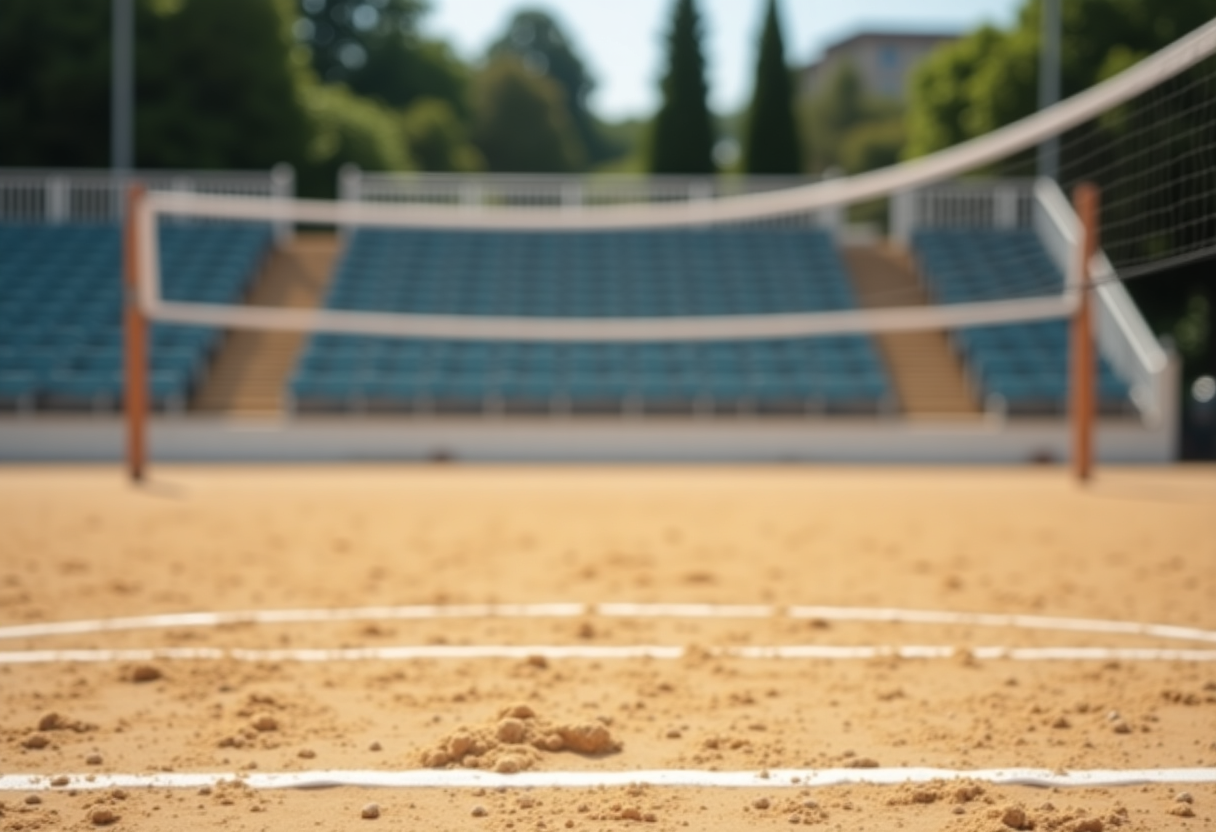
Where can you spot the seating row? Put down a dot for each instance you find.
(617, 274)
(61, 305)
(1025, 364)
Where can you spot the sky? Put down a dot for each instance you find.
(622, 40)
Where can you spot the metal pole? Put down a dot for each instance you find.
(1084, 363)
(135, 372)
(1049, 83)
(122, 86)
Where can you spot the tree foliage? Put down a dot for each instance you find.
(242, 111)
(538, 40)
(520, 121)
(990, 77)
(438, 140)
(193, 110)
(375, 48)
(54, 83)
(682, 141)
(348, 129)
(847, 130)
(772, 145)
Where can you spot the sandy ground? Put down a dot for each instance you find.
(1138, 545)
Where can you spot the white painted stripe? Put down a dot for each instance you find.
(581, 651)
(1011, 621)
(686, 610)
(613, 610)
(421, 612)
(463, 778)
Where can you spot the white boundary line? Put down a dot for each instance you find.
(578, 651)
(775, 779)
(888, 615)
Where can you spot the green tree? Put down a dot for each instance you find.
(374, 47)
(990, 77)
(54, 83)
(938, 109)
(536, 38)
(682, 141)
(520, 121)
(847, 130)
(438, 140)
(197, 106)
(347, 129)
(239, 106)
(772, 145)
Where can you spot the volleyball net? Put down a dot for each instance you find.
(992, 243)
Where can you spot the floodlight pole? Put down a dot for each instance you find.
(1086, 201)
(1051, 29)
(122, 85)
(135, 327)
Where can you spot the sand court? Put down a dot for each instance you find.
(439, 630)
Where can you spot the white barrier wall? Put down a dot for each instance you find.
(50, 438)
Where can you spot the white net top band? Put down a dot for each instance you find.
(615, 330)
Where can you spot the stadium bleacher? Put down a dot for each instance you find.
(60, 310)
(1026, 363)
(604, 274)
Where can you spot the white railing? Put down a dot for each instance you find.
(32, 195)
(477, 191)
(1057, 227)
(993, 203)
(1123, 336)
(1130, 346)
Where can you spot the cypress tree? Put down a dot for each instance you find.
(683, 139)
(772, 145)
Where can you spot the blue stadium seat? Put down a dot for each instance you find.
(60, 309)
(1026, 364)
(592, 274)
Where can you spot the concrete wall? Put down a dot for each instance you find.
(59, 439)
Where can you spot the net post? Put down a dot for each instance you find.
(135, 332)
(1086, 200)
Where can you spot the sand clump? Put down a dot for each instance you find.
(938, 791)
(516, 741)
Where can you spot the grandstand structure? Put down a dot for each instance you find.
(974, 393)
(506, 317)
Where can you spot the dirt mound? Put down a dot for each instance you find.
(516, 740)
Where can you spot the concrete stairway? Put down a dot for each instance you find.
(928, 376)
(250, 374)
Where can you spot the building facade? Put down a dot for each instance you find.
(883, 60)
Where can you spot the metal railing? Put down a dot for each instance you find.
(994, 203)
(477, 191)
(32, 195)
(1123, 337)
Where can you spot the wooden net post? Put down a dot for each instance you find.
(1084, 364)
(135, 329)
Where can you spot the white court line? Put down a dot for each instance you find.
(579, 651)
(620, 610)
(464, 778)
